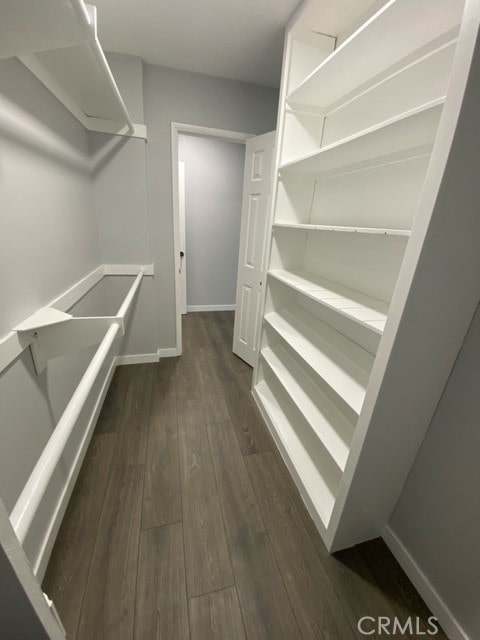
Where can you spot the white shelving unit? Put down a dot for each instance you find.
(57, 41)
(363, 135)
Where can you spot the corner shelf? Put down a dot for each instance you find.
(342, 366)
(342, 229)
(410, 134)
(352, 64)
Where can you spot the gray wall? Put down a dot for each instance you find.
(48, 241)
(179, 96)
(213, 206)
(437, 517)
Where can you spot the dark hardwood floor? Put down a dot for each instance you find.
(185, 524)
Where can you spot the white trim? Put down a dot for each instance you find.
(56, 520)
(436, 604)
(128, 269)
(101, 125)
(13, 344)
(170, 352)
(210, 307)
(136, 358)
(176, 129)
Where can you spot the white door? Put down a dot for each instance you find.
(181, 226)
(251, 262)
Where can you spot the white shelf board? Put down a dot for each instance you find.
(409, 134)
(342, 229)
(29, 26)
(342, 366)
(320, 493)
(332, 428)
(354, 62)
(357, 306)
(44, 317)
(77, 73)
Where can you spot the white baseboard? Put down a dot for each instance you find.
(211, 307)
(436, 604)
(136, 358)
(40, 564)
(171, 352)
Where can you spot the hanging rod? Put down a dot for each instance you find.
(32, 494)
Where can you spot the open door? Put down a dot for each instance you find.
(251, 262)
(181, 224)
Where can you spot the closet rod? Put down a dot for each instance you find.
(36, 485)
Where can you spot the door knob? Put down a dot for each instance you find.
(182, 254)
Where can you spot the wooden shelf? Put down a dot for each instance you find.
(352, 64)
(58, 43)
(30, 26)
(410, 134)
(342, 229)
(44, 317)
(356, 306)
(326, 421)
(302, 454)
(342, 366)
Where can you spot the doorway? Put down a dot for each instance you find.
(210, 190)
(181, 145)
(220, 207)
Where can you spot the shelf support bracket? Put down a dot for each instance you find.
(54, 340)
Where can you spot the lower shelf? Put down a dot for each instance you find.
(341, 366)
(317, 479)
(326, 421)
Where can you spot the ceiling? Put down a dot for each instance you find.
(237, 39)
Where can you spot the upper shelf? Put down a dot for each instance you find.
(29, 27)
(342, 229)
(412, 133)
(57, 41)
(355, 62)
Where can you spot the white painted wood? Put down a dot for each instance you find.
(410, 134)
(56, 520)
(210, 307)
(352, 63)
(327, 422)
(176, 129)
(424, 333)
(129, 269)
(44, 317)
(302, 449)
(357, 307)
(363, 144)
(27, 504)
(27, 26)
(449, 623)
(257, 187)
(342, 366)
(183, 244)
(24, 579)
(343, 229)
(74, 67)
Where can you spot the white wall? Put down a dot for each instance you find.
(133, 193)
(437, 517)
(213, 206)
(48, 241)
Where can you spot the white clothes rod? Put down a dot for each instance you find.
(34, 490)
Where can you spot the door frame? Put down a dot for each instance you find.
(177, 128)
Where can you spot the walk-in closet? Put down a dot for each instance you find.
(239, 325)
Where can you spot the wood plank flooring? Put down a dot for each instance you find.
(185, 524)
